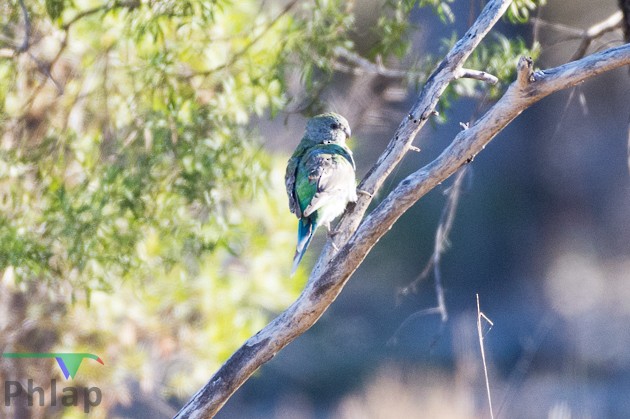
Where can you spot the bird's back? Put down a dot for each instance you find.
(325, 181)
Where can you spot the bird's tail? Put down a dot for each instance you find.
(306, 228)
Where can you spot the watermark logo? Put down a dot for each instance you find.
(70, 396)
(68, 362)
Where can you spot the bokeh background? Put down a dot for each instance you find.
(541, 234)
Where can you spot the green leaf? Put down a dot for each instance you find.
(55, 8)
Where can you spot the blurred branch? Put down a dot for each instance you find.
(129, 4)
(13, 50)
(597, 30)
(439, 247)
(27, 29)
(355, 241)
(441, 243)
(361, 65)
(572, 32)
(44, 68)
(480, 335)
(588, 35)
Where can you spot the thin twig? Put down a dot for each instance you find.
(609, 24)
(27, 29)
(441, 239)
(131, 4)
(361, 65)
(570, 31)
(441, 244)
(45, 70)
(587, 36)
(467, 73)
(480, 335)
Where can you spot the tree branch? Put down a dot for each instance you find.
(423, 108)
(363, 65)
(334, 269)
(27, 29)
(108, 6)
(609, 24)
(467, 73)
(587, 36)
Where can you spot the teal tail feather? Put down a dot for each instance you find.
(306, 229)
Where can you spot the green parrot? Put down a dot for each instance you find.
(320, 177)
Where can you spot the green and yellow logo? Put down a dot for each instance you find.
(69, 362)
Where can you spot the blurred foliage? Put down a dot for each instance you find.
(135, 196)
(394, 26)
(520, 10)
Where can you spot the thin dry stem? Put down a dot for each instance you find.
(481, 316)
(27, 28)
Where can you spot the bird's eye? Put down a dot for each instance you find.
(334, 126)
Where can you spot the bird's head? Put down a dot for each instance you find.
(328, 128)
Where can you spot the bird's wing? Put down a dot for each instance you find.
(289, 181)
(330, 171)
(290, 177)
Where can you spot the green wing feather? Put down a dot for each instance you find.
(291, 174)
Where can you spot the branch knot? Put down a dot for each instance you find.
(525, 71)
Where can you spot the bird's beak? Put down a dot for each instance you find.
(348, 133)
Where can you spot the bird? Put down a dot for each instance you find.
(320, 177)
